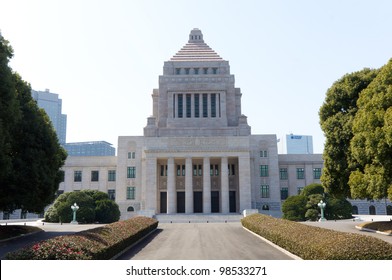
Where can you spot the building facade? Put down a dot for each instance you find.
(197, 154)
(52, 105)
(299, 144)
(90, 148)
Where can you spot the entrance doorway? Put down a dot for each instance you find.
(180, 202)
(163, 208)
(215, 201)
(198, 202)
(232, 202)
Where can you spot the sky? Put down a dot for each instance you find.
(104, 58)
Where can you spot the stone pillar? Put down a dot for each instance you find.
(150, 195)
(188, 186)
(206, 186)
(225, 186)
(244, 182)
(171, 187)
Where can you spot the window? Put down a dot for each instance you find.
(180, 106)
(78, 176)
(316, 173)
(213, 105)
(188, 106)
(264, 191)
(299, 190)
(263, 170)
(372, 210)
(263, 153)
(205, 105)
(131, 172)
(94, 176)
(163, 170)
(130, 192)
(214, 170)
(186, 71)
(131, 155)
(23, 214)
(197, 109)
(180, 170)
(197, 170)
(130, 209)
(284, 193)
(62, 174)
(196, 71)
(112, 175)
(205, 71)
(178, 71)
(283, 174)
(200, 171)
(112, 194)
(214, 71)
(300, 173)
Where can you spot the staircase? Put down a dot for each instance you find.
(198, 218)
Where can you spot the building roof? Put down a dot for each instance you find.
(196, 49)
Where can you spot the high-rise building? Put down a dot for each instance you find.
(52, 105)
(299, 144)
(92, 148)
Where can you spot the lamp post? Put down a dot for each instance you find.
(74, 208)
(322, 204)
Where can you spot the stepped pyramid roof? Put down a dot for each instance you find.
(196, 49)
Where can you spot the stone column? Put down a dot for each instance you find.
(151, 184)
(171, 187)
(225, 186)
(206, 186)
(188, 186)
(244, 182)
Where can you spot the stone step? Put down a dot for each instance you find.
(198, 218)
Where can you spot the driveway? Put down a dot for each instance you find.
(203, 241)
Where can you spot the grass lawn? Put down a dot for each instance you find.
(9, 231)
(379, 226)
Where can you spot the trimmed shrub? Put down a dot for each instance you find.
(100, 243)
(314, 188)
(294, 208)
(51, 215)
(85, 214)
(314, 243)
(106, 211)
(311, 215)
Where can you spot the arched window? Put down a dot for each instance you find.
(389, 209)
(372, 210)
(130, 209)
(265, 207)
(355, 210)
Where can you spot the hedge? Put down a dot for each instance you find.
(100, 243)
(314, 243)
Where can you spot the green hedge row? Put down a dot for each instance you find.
(100, 243)
(314, 243)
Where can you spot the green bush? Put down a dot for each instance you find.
(85, 214)
(100, 243)
(311, 215)
(294, 208)
(314, 188)
(314, 243)
(106, 211)
(51, 215)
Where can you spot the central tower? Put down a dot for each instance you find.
(196, 95)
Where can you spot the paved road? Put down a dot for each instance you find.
(212, 241)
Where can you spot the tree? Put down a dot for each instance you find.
(30, 154)
(371, 145)
(336, 119)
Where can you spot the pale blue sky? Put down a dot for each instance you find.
(103, 57)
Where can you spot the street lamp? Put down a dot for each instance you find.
(74, 208)
(322, 204)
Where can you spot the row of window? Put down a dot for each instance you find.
(181, 101)
(198, 170)
(284, 192)
(95, 176)
(283, 173)
(197, 71)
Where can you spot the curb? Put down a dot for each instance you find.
(295, 257)
(372, 230)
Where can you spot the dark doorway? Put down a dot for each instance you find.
(180, 202)
(372, 210)
(215, 202)
(355, 210)
(163, 202)
(198, 202)
(232, 202)
(389, 210)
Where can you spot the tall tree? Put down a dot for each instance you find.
(371, 145)
(33, 156)
(336, 120)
